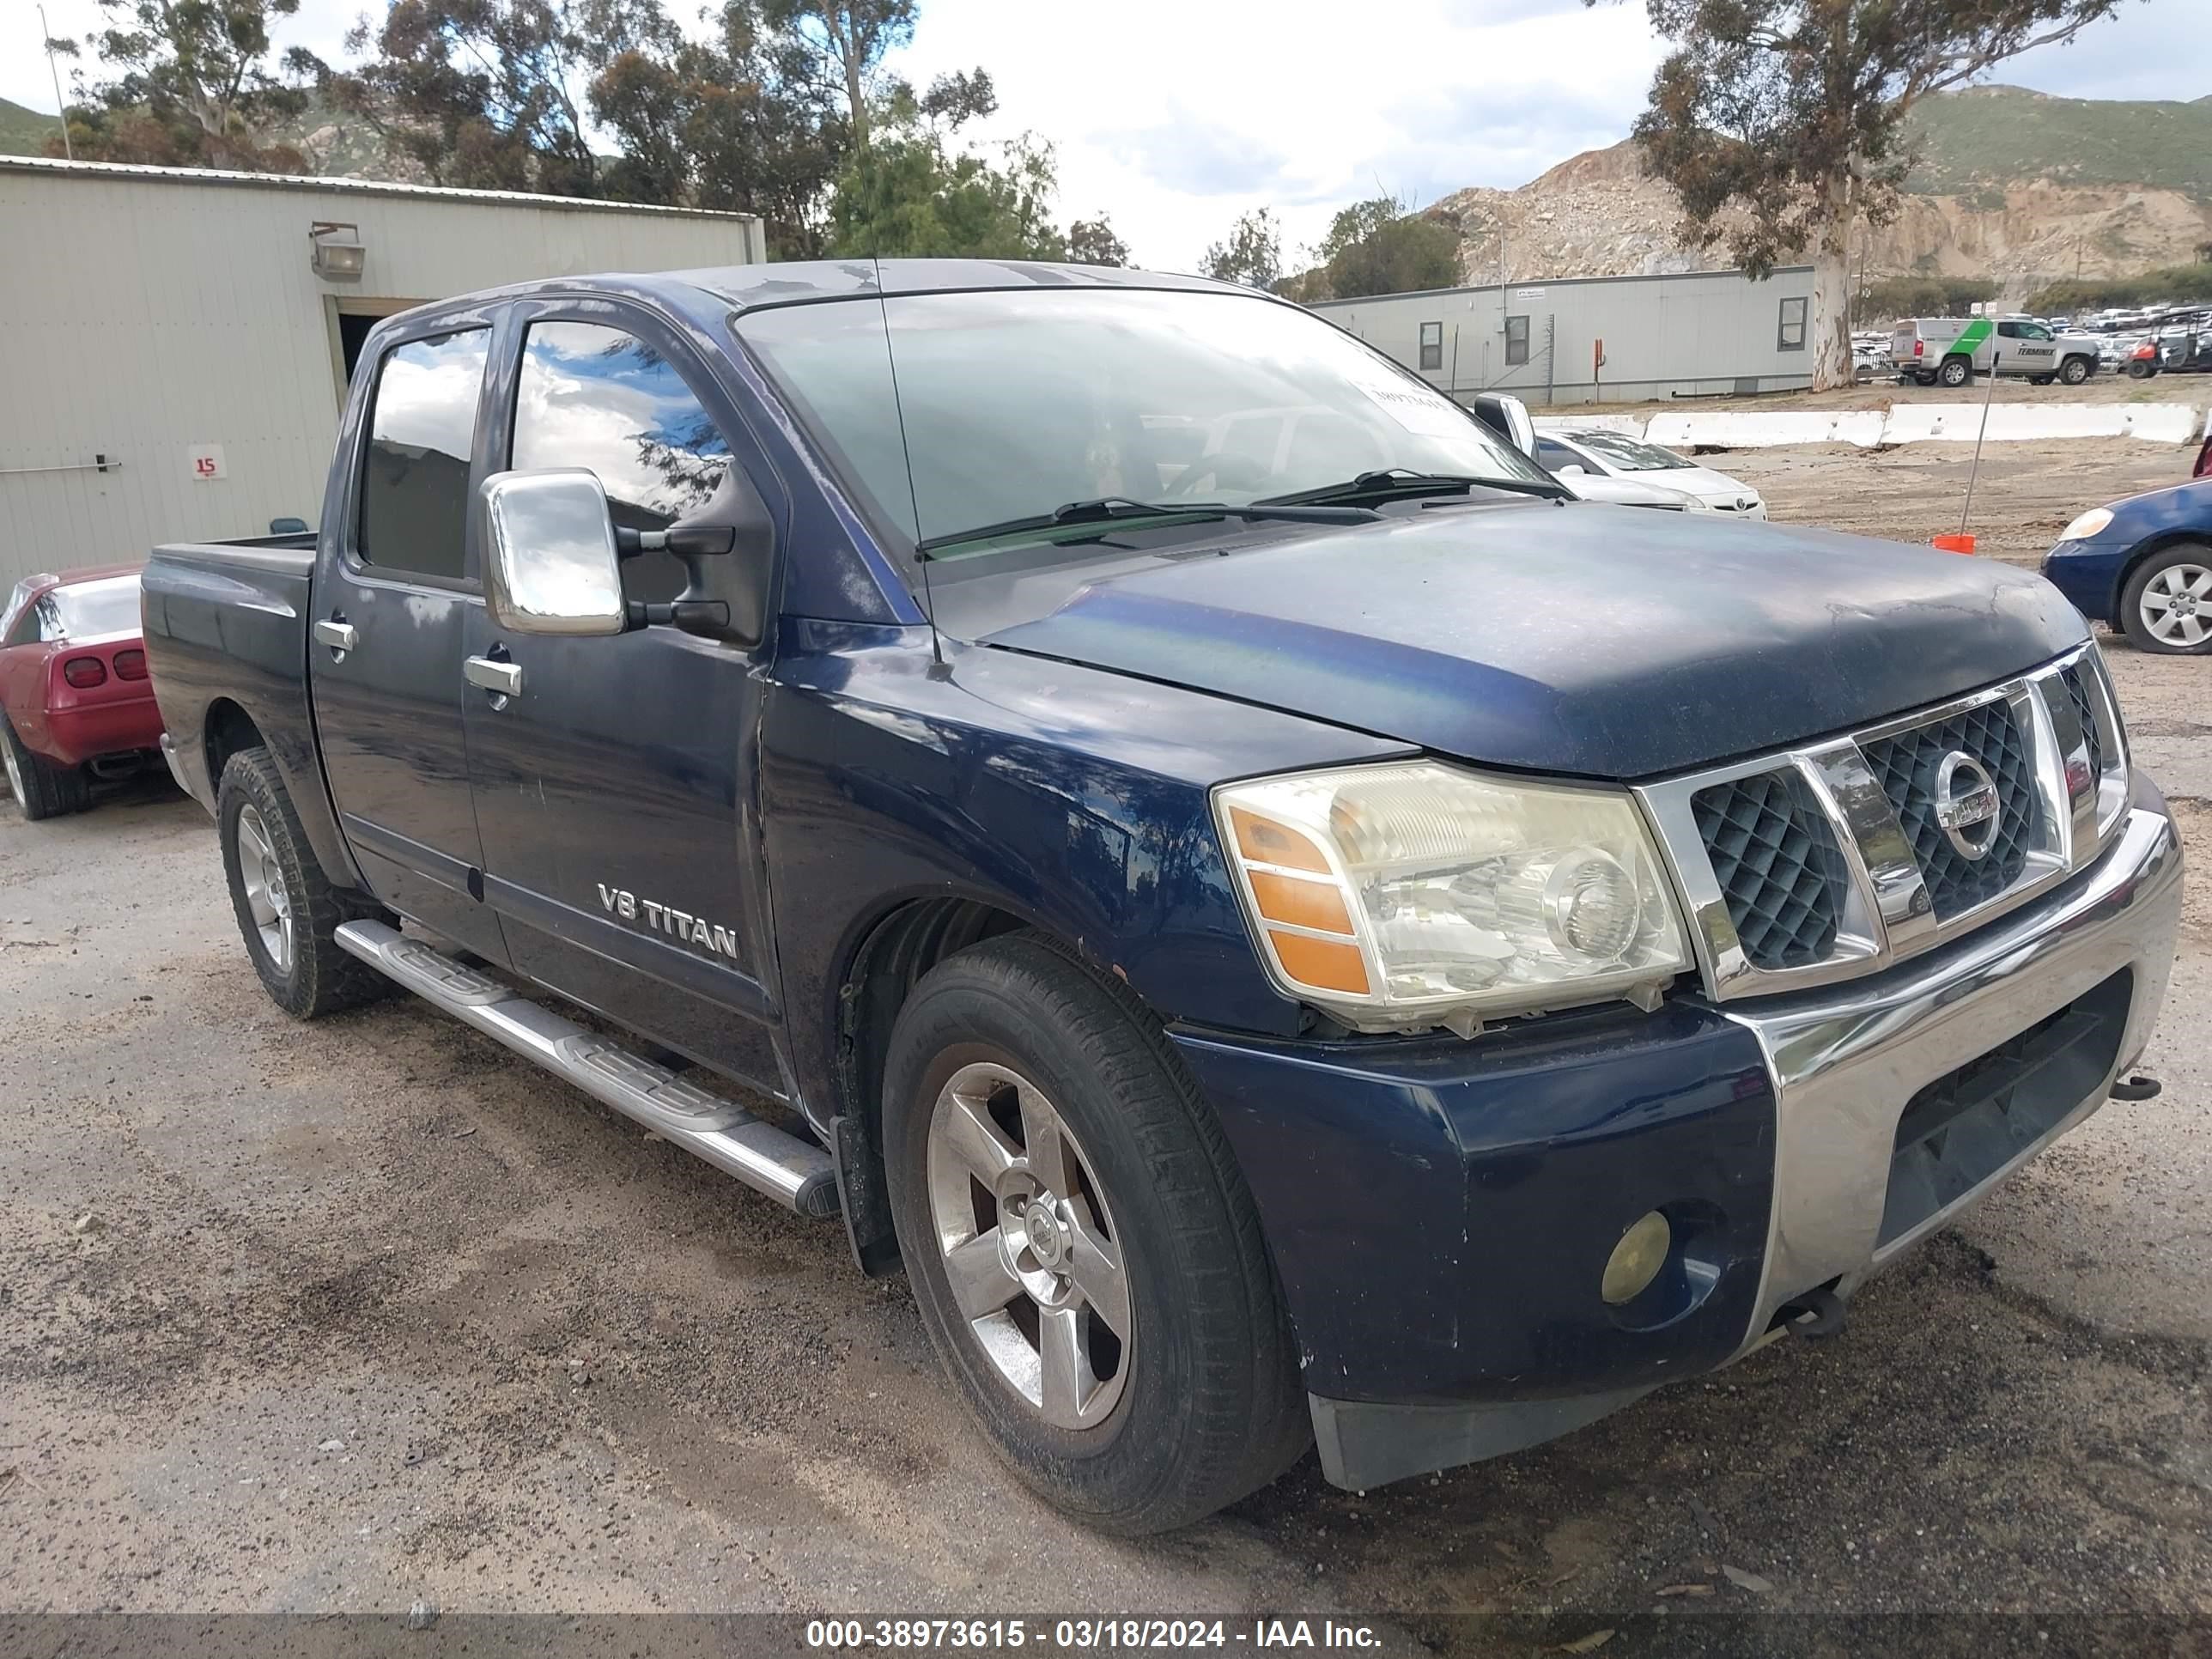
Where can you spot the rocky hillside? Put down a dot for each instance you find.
(2011, 182)
(24, 131)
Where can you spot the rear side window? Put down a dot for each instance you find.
(414, 486)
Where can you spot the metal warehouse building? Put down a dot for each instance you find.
(1599, 339)
(174, 345)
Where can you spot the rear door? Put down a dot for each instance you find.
(2026, 349)
(395, 586)
(615, 787)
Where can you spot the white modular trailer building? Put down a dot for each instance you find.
(1599, 339)
(175, 344)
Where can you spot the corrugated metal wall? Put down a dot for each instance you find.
(1704, 332)
(144, 313)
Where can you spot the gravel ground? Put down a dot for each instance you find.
(344, 1316)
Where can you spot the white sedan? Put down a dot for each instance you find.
(1572, 453)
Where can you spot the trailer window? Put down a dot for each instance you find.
(1790, 336)
(1516, 341)
(1433, 345)
(414, 480)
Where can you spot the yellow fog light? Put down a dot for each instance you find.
(1636, 1259)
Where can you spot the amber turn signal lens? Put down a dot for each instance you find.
(1265, 842)
(1314, 904)
(1320, 962)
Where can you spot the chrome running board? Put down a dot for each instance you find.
(797, 1174)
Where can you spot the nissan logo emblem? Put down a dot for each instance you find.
(1967, 804)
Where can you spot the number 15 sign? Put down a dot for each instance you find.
(207, 463)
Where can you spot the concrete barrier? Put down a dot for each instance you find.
(1904, 423)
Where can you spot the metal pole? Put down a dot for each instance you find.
(46, 40)
(1974, 471)
(1455, 368)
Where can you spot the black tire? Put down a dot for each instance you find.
(1924, 378)
(1956, 372)
(2132, 620)
(2039, 380)
(42, 788)
(2075, 370)
(1210, 1408)
(319, 978)
(2140, 370)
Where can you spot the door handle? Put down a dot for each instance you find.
(338, 634)
(502, 679)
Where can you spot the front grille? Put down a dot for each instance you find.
(1825, 861)
(1779, 869)
(2077, 693)
(1965, 1127)
(1905, 766)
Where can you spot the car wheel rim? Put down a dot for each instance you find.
(268, 901)
(2177, 605)
(1031, 1250)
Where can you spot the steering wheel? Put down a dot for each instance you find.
(1225, 468)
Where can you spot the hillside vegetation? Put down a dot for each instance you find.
(1984, 139)
(24, 132)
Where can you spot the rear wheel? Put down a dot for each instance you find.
(2166, 606)
(1082, 1250)
(42, 789)
(288, 910)
(1956, 371)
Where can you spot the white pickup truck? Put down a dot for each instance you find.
(1953, 349)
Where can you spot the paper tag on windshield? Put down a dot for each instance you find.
(1412, 405)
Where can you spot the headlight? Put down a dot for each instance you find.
(1403, 897)
(1696, 504)
(2089, 524)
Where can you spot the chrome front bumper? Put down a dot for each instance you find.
(1846, 1059)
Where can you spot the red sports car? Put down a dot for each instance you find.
(73, 688)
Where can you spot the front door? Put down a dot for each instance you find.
(615, 785)
(393, 594)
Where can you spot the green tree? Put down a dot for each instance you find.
(845, 41)
(1092, 242)
(909, 194)
(491, 93)
(1252, 252)
(191, 83)
(737, 122)
(1378, 246)
(1780, 123)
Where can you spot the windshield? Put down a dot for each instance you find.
(1630, 454)
(1018, 402)
(80, 610)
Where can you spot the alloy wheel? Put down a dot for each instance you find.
(1030, 1251)
(2177, 605)
(267, 899)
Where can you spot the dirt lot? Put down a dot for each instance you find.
(346, 1316)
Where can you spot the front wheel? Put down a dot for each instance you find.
(288, 909)
(2166, 606)
(42, 788)
(1083, 1253)
(2075, 370)
(2140, 370)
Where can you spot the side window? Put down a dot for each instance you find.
(414, 483)
(1516, 340)
(2010, 331)
(1433, 345)
(1552, 456)
(592, 396)
(1790, 334)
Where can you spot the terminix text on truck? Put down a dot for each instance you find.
(1286, 925)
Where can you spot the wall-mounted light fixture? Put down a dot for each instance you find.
(338, 254)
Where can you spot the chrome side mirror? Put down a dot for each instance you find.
(551, 566)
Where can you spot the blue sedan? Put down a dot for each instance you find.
(2144, 566)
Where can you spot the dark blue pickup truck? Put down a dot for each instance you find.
(1287, 925)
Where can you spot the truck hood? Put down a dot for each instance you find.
(1604, 642)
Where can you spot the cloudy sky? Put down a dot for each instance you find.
(1174, 116)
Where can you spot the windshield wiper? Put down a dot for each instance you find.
(1117, 509)
(1394, 481)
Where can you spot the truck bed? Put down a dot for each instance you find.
(226, 627)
